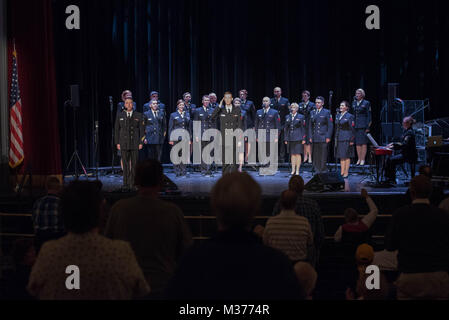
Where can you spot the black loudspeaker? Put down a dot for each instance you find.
(169, 187)
(323, 182)
(75, 95)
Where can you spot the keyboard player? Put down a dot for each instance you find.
(405, 150)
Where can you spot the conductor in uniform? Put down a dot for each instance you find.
(155, 131)
(230, 118)
(320, 133)
(203, 115)
(267, 119)
(121, 105)
(129, 137)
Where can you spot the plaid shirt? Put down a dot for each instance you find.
(309, 209)
(46, 214)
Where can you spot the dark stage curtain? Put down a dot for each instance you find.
(30, 24)
(203, 46)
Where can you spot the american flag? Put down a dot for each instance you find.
(16, 154)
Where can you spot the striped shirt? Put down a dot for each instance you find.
(290, 234)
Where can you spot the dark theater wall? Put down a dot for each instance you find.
(203, 46)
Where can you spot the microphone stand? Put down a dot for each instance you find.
(111, 105)
(337, 134)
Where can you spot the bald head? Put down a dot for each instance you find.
(235, 199)
(420, 187)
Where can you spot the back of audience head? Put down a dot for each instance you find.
(420, 187)
(149, 175)
(296, 184)
(81, 206)
(426, 170)
(53, 185)
(235, 199)
(288, 200)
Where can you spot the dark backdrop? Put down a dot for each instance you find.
(202, 46)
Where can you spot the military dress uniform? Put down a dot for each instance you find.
(129, 134)
(295, 132)
(362, 115)
(320, 129)
(204, 115)
(406, 153)
(250, 113)
(190, 109)
(267, 120)
(344, 136)
(179, 121)
(155, 132)
(228, 120)
(283, 107)
(121, 108)
(305, 109)
(147, 107)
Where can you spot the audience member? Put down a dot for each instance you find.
(355, 230)
(309, 209)
(437, 194)
(307, 278)
(289, 232)
(420, 234)
(156, 229)
(235, 264)
(47, 221)
(444, 205)
(108, 269)
(358, 291)
(14, 283)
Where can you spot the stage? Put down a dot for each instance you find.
(197, 185)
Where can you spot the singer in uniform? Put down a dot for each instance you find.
(268, 119)
(320, 132)
(295, 136)
(129, 137)
(282, 105)
(180, 120)
(203, 114)
(155, 131)
(305, 108)
(361, 109)
(344, 138)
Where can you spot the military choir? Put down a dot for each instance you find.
(305, 130)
